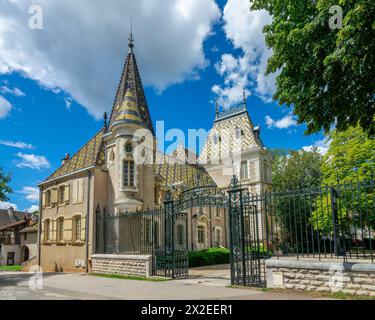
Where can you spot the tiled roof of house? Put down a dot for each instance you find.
(91, 154)
(5, 219)
(174, 171)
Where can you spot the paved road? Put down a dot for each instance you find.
(64, 286)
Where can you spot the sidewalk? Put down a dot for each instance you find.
(87, 287)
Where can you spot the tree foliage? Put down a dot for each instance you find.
(350, 164)
(327, 75)
(297, 170)
(4, 186)
(350, 157)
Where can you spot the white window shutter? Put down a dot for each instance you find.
(80, 190)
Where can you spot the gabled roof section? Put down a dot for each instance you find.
(233, 131)
(130, 105)
(91, 154)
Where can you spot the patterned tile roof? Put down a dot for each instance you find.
(173, 171)
(232, 131)
(89, 155)
(130, 105)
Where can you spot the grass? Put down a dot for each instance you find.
(10, 268)
(117, 276)
(346, 296)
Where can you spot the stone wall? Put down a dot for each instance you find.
(349, 278)
(126, 265)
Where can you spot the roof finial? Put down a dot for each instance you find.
(131, 36)
(105, 120)
(244, 97)
(217, 108)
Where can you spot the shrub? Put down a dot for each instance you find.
(208, 257)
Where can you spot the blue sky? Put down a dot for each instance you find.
(42, 118)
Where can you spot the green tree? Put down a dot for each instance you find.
(350, 162)
(327, 75)
(297, 170)
(350, 157)
(4, 186)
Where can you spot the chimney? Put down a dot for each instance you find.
(66, 159)
(11, 214)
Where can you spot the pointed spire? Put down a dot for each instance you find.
(131, 37)
(130, 105)
(244, 97)
(217, 108)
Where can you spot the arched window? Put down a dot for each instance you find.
(201, 237)
(77, 223)
(60, 229)
(180, 234)
(128, 173)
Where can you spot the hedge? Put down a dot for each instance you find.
(208, 257)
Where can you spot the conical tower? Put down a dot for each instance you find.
(130, 105)
(130, 143)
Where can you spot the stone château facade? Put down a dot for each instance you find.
(106, 175)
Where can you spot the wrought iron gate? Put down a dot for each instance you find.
(247, 259)
(170, 261)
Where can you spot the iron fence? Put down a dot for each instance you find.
(326, 222)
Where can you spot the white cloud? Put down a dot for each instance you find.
(31, 193)
(16, 144)
(7, 205)
(283, 123)
(5, 107)
(82, 46)
(32, 161)
(32, 209)
(321, 145)
(244, 28)
(15, 91)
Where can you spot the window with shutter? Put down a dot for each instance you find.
(54, 196)
(80, 190)
(67, 193)
(61, 194)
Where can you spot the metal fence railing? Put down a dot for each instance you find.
(325, 222)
